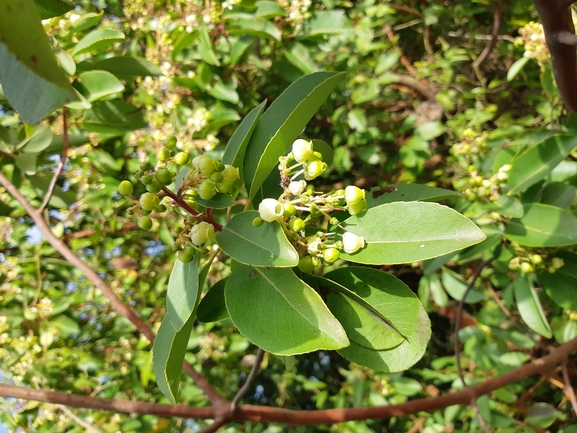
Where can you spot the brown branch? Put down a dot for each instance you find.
(60, 166)
(494, 36)
(402, 57)
(296, 417)
(190, 210)
(248, 382)
(115, 302)
(422, 89)
(88, 427)
(569, 391)
(558, 25)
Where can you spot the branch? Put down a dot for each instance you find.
(296, 417)
(422, 89)
(115, 301)
(494, 37)
(569, 391)
(248, 382)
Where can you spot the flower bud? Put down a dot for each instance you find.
(207, 166)
(306, 265)
(354, 194)
(352, 243)
(270, 209)
(314, 169)
(289, 210)
(206, 190)
(201, 232)
(149, 201)
(125, 188)
(257, 222)
(357, 208)
(163, 155)
(557, 262)
(296, 187)
(302, 150)
(296, 224)
(331, 255)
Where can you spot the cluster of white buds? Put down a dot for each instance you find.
(480, 188)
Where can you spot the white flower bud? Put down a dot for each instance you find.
(302, 150)
(270, 209)
(314, 244)
(296, 187)
(201, 232)
(314, 169)
(354, 194)
(352, 243)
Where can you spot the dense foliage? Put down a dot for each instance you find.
(420, 169)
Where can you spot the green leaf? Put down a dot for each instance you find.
(38, 141)
(205, 49)
(239, 48)
(65, 325)
(114, 117)
(300, 57)
(59, 199)
(27, 162)
(409, 192)
(516, 68)
(222, 116)
(558, 194)
(74, 140)
(542, 415)
(564, 329)
(405, 232)
(212, 307)
(96, 85)
(543, 225)
(30, 75)
(87, 20)
(219, 201)
(53, 8)
(254, 27)
(97, 40)
(223, 92)
(430, 130)
(507, 206)
(456, 287)
(183, 293)
(126, 67)
(66, 62)
(168, 355)
(327, 22)
(536, 163)
(560, 288)
(282, 123)
(530, 307)
(269, 9)
(406, 313)
(280, 313)
(265, 245)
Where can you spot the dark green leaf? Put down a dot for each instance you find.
(542, 415)
(96, 85)
(558, 194)
(59, 199)
(223, 92)
(219, 201)
(38, 141)
(27, 162)
(128, 67)
(255, 27)
(53, 8)
(561, 288)
(114, 117)
(212, 307)
(456, 287)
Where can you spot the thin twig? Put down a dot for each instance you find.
(61, 164)
(456, 337)
(88, 427)
(569, 391)
(248, 382)
(218, 423)
(115, 302)
(494, 36)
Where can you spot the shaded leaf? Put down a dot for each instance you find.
(456, 287)
(530, 307)
(53, 8)
(128, 67)
(327, 22)
(409, 192)
(255, 27)
(114, 117)
(219, 201)
(38, 141)
(560, 288)
(59, 199)
(96, 85)
(212, 307)
(183, 292)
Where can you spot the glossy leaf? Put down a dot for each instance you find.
(183, 293)
(408, 192)
(456, 287)
(219, 201)
(543, 225)
(212, 307)
(280, 313)
(30, 75)
(282, 123)
(536, 163)
(114, 117)
(507, 206)
(97, 40)
(404, 232)
(265, 245)
(530, 307)
(405, 312)
(96, 85)
(128, 67)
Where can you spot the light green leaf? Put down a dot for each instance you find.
(560, 288)
(409, 192)
(387, 61)
(114, 116)
(53, 8)
(430, 130)
(537, 162)
(543, 225)
(222, 116)
(282, 123)
(205, 49)
(542, 415)
(530, 307)
(38, 141)
(66, 62)
(30, 76)
(168, 355)
(240, 47)
(327, 22)
(300, 57)
(405, 232)
(94, 85)
(87, 20)
(59, 198)
(212, 307)
(564, 329)
(269, 9)
(223, 92)
(265, 245)
(65, 325)
(406, 313)
(280, 313)
(456, 287)
(128, 67)
(183, 293)
(254, 27)
(97, 40)
(516, 68)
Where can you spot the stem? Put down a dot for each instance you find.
(190, 210)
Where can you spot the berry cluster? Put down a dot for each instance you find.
(531, 262)
(482, 189)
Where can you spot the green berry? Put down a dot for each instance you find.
(164, 176)
(296, 224)
(146, 165)
(358, 207)
(146, 179)
(145, 223)
(185, 257)
(149, 201)
(163, 155)
(289, 210)
(216, 177)
(331, 255)
(526, 267)
(536, 259)
(181, 158)
(125, 188)
(306, 265)
(154, 187)
(171, 143)
(257, 222)
(206, 190)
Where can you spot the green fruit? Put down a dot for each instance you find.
(163, 155)
(125, 188)
(331, 255)
(171, 143)
(206, 190)
(181, 158)
(185, 256)
(216, 177)
(146, 165)
(146, 179)
(145, 223)
(296, 224)
(164, 176)
(154, 187)
(289, 210)
(306, 265)
(526, 267)
(149, 201)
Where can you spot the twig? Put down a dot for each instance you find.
(88, 427)
(115, 302)
(248, 382)
(402, 57)
(60, 166)
(218, 423)
(296, 417)
(456, 336)
(569, 391)
(422, 89)
(494, 36)
(190, 210)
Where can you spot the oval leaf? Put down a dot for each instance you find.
(404, 232)
(212, 307)
(183, 293)
(97, 40)
(96, 85)
(409, 192)
(128, 67)
(530, 307)
(280, 313)
(456, 287)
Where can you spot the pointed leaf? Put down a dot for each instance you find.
(97, 40)
(404, 232)
(128, 67)
(38, 141)
(543, 225)
(255, 27)
(265, 245)
(212, 307)
(456, 287)
(280, 313)
(530, 307)
(409, 192)
(507, 206)
(183, 293)
(53, 8)
(403, 309)
(96, 85)
(282, 123)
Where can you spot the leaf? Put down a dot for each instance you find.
(282, 123)
(87, 20)
(558, 194)
(300, 57)
(53, 8)
(269, 9)
(27, 162)
(265, 245)
(456, 287)
(65, 325)
(327, 22)
(66, 62)
(222, 116)
(405, 232)
(212, 307)
(239, 48)
(30, 75)
(543, 225)
(507, 206)
(38, 141)
(96, 85)
(219, 201)
(560, 288)
(59, 199)
(542, 415)
(536, 163)
(113, 117)
(516, 68)
(564, 329)
(530, 307)
(183, 293)
(254, 27)
(223, 92)
(430, 130)
(168, 355)
(409, 192)
(281, 313)
(97, 40)
(126, 67)
(406, 313)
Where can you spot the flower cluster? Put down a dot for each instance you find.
(532, 37)
(481, 189)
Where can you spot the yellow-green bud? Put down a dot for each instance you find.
(206, 190)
